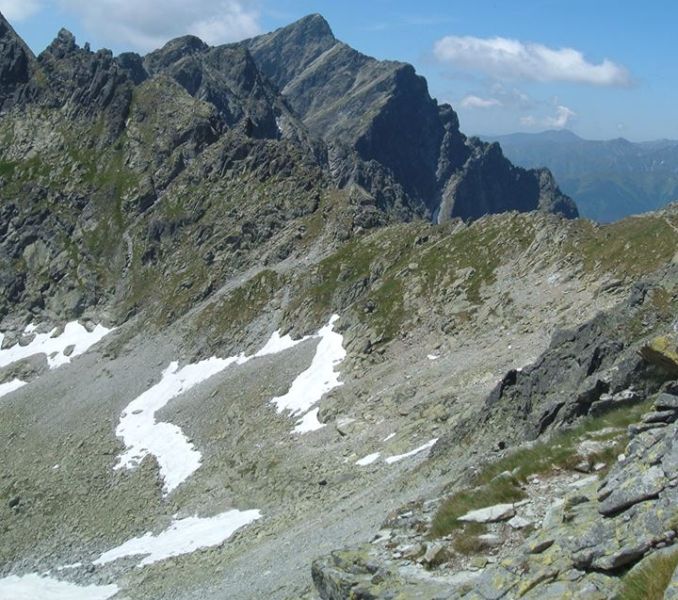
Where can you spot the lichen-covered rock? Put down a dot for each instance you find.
(663, 352)
(637, 483)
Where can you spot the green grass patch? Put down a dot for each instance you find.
(628, 248)
(242, 305)
(502, 490)
(7, 168)
(650, 579)
(390, 311)
(467, 541)
(477, 250)
(557, 453)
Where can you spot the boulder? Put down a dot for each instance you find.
(491, 514)
(638, 486)
(666, 402)
(663, 352)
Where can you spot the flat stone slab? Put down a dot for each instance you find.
(666, 402)
(518, 522)
(637, 488)
(491, 514)
(660, 416)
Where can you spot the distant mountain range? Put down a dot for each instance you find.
(608, 179)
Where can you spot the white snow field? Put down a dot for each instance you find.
(321, 377)
(398, 457)
(368, 460)
(74, 335)
(176, 455)
(183, 536)
(36, 587)
(9, 386)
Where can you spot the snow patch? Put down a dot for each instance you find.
(177, 457)
(10, 386)
(74, 335)
(309, 422)
(143, 435)
(432, 357)
(278, 343)
(368, 460)
(32, 587)
(183, 536)
(390, 436)
(394, 459)
(311, 385)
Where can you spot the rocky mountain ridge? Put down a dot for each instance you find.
(113, 143)
(222, 250)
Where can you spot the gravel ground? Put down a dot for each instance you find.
(312, 495)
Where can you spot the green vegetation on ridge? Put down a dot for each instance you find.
(558, 452)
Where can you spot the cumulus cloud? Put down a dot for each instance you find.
(559, 120)
(507, 59)
(472, 101)
(18, 10)
(148, 24)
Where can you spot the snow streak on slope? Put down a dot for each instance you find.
(176, 456)
(368, 460)
(394, 459)
(182, 537)
(314, 382)
(35, 587)
(74, 336)
(10, 386)
(143, 435)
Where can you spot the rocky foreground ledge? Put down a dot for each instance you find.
(606, 533)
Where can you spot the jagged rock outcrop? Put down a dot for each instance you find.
(579, 544)
(106, 139)
(585, 371)
(17, 64)
(600, 530)
(382, 109)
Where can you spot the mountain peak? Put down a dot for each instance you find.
(173, 51)
(64, 43)
(313, 26)
(287, 52)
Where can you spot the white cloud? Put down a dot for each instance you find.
(472, 101)
(559, 120)
(18, 10)
(507, 59)
(148, 24)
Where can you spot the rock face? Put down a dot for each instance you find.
(663, 352)
(95, 141)
(16, 64)
(382, 111)
(590, 370)
(636, 517)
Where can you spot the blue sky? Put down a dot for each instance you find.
(601, 68)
